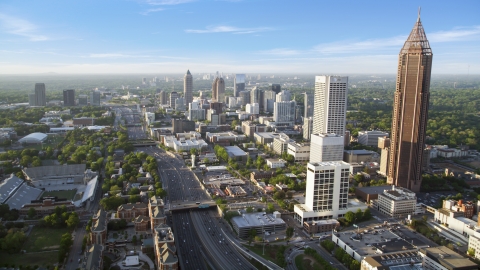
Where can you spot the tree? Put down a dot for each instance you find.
(193, 151)
(72, 220)
(134, 199)
(111, 203)
(367, 214)
(471, 252)
(289, 232)
(249, 209)
(349, 217)
(289, 194)
(270, 208)
(279, 195)
(31, 212)
(134, 240)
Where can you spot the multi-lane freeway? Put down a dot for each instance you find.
(197, 232)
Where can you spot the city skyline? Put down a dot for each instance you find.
(159, 36)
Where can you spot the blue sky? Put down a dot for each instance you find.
(249, 36)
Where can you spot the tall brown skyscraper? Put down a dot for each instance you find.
(410, 111)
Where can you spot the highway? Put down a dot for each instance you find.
(198, 229)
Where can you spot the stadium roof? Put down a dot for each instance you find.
(8, 187)
(90, 189)
(36, 137)
(25, 194)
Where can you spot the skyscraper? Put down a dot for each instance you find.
(173, 96)
(220, 93)
(163, 97)
(238, 84)
(256, 96)
(188, 87)
(214, 89)
(69, 97)
(410, 111)
(95, 98)
(308, 103)
(276, 88)
(330, 108)
(40, 99)
(284, 112)
(268, 100)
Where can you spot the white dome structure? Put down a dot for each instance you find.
(36, 137)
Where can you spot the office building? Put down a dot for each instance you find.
(280, 143)
(256, 96)
(284, 112)
(299, 151)
(384, 146)
(308, 103)
(396, 202)
(269, 98)
(195, 111)
(162, 96)
(443, 258)
(410, 109)
(330, 108)
(370, 138)
(326, 195)
(307, 128)
(284, 95)
(182, 126)
(40, 96)
(31, 99)
(245, 96)
(95, 98)
(252, 108)
(238, 84)
(82, 100)
(173, 96)
(326, 147)
(217, 106)
(180, 104)
(188, 87)
(276, 88)
(221, 90)
(69, 97)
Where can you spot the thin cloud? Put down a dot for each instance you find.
(167, 2)
(457, 34)
(152, 10)
(281, 52)
(20, 27)
(367, 45)
(228, 29)
(110, 55)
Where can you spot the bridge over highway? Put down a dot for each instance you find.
(179, 206)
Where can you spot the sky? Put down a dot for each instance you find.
(232, 36)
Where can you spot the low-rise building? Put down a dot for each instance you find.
(397, 202)
(255, 176)
(94, 258)
(370, 138)
(260, 222)
(276, 163)
(182, 144)
(130, 211)
(360, 156)
(98, 231)
(141, 223)
(236, 191)
(299, 151)
(280, 144)
(164, 247)
(235, 153)
(319, 226)
(443, 258)
(224, 138)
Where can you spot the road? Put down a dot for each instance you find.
(76, 250)
(191, 228)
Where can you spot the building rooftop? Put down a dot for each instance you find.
(8, 187)
(359, 152)
(374, 189)
(448, 258)
(235, 151)
(256, 219)
(24, 194)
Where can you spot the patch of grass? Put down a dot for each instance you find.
(304, 262)
(270, 251)
(31, 259)
(61, 194)
(42, 239)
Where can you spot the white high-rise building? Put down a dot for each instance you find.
(326, 147)
(284, 112)
(195, 111)
(326, 195)
(284, 95)
(330, 107)
(307, 128)
(252, 108)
